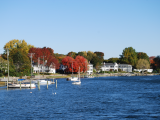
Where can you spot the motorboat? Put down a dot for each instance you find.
(22, 85)
(42, 82)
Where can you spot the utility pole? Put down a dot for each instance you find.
(8, 67)
(43, 65)
(31, 67)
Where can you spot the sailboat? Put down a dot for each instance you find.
(78, 82)
(73, 78)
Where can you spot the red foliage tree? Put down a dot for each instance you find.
(53, 62)
(78, 62)
(82, 63)
(67, 61)
(46, 53)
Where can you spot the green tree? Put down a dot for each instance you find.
(113, 60)
(72, 54)
(90, 55)
(143, 64)
(20, 61)
(129, 56)
(141, 55)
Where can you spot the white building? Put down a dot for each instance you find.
(115, 67)
(90, 69)
(41, 68)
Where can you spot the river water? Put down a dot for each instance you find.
(113, 98)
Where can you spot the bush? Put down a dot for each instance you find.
(1, 74)
(119, 70)
(154, 71)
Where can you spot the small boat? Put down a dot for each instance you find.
(43, 82)
(23, 85)
(78, 82)
(74, 78)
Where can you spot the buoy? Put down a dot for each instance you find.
(30, 92)
(55, 92)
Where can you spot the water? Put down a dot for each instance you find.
(116, 98)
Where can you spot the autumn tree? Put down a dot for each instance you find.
(53, 62)
(74, 64)
(157, 62)
(129, 56)
(67, 61)
(82, 53)
(82, 63)
(152, 62)
(143, 64)
(18, 44)
(72, 54)
(59, 57)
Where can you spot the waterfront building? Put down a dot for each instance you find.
(90, 69)
(45, 69)
(115, 67)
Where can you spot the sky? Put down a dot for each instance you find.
(107, 26)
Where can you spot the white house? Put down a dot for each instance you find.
(90, 69)
(125, 67)
(115, 66)
(41, 68)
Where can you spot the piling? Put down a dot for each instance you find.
(30, 85)
(20, 84)
(47, 84)
(38, 85)
(56, 83)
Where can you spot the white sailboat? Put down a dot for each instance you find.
(72, 77)
(78, 82)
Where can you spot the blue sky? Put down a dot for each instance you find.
(107, 26)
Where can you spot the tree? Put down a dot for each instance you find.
(67, 61)
(3, 65)
(59, 57)
(18, 44)
(90, 55)
(82, 63)
(143, 64)
(141, 55)
(113, 60)
(20, 60)
(46, 54)
(129, 56)
(53, 62)
(72, 54)
(152, 62)
(157, 62)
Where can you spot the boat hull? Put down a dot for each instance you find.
(22, 86)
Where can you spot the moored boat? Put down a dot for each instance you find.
(23, 85)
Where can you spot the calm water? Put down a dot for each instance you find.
(96, 98)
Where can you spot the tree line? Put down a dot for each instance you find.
(20, 59)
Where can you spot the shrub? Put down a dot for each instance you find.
(1, 74)
(119, 70)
